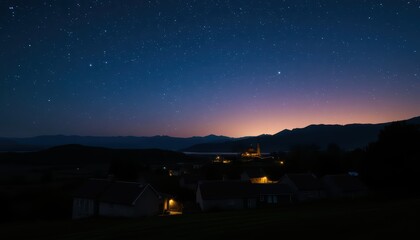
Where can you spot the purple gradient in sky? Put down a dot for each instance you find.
(187, 68)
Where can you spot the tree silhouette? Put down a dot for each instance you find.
(394, 160)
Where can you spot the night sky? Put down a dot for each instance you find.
(193, 68)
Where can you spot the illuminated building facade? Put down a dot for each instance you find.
(252, 153)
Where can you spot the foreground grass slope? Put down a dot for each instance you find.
(364, 219)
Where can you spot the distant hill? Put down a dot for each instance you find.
(78, 154)
(348, 137)
(10, 145)
(161, 142)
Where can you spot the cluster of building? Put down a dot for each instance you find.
(254, 190)
(109, 198)
(291, 188)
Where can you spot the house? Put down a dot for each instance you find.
(119, 199)
(273, 194)
(305, 187)
(224, 195)
(254, 175)
(86, 198)
(189, 181)
(344, 185)
(130, 199)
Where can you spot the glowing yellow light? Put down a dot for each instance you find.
(264, 179)
(281, 162)
(171, 202)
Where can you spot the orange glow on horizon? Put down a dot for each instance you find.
(272, 117)
(240, 125)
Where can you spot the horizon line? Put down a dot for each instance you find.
(211, 134)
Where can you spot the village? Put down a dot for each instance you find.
(249, 180)
(84, 192)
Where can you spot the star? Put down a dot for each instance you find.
(151, 65)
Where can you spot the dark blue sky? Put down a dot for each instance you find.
(185, 68)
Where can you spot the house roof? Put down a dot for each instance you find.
(92, 189)
(225, 189)
(305, 181)
(272, 189)
(346, 182)
(113, 191)
(124, 192)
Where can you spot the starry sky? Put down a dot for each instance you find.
(195, 67)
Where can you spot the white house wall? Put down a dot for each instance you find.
(198, 197)
(115, 210)
(83, 208)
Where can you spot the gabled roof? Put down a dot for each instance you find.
(305, 181)
(124, 192)
(225, 189)
(92, 189)
(119, 192)
(272, 189)
(346, 182)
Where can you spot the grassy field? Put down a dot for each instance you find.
(362, 219)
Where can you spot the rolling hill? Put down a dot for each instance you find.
(161, 142)
(348, 137)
